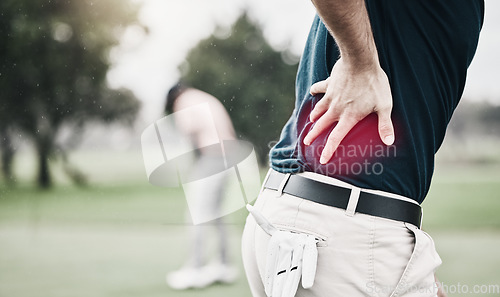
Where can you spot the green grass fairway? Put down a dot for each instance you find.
(62, 261)
(121, 235)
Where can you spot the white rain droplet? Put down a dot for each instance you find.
(61, 32)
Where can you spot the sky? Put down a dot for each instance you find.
(147, 64)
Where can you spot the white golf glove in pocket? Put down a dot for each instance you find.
(290, 256)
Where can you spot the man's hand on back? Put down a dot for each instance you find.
(351, 93)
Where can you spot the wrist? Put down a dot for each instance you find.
(364, 58)
(357, 64)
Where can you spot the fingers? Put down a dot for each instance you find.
(325, 122)
(271, 264)
(319, 87)
(385, 127)
(290, 257)
(295, 270)
(319, 109)
(322, 106)
(282, 269)
(261, 220)
(345, 124)
(309, 262)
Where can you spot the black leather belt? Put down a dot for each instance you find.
(331, 195)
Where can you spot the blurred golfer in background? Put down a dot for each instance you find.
(197, 127)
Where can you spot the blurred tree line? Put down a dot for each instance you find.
(54, 57)
(253, 81)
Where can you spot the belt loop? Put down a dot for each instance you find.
(421, 218)
(353, 201)
(283, 184)
(265, 180)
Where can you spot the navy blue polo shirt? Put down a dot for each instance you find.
(425, 48)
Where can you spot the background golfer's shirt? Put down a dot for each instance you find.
(425, 48)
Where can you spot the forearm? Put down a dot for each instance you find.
(349, 24)
(357, 85)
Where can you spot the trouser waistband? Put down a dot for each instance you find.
(353, 200)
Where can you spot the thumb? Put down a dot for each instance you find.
(385, 127)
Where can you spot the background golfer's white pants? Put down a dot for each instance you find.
(359, 255)
(207, 200)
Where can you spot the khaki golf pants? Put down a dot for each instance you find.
(358, 255)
